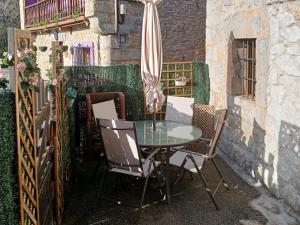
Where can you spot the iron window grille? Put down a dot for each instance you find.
(247, 59)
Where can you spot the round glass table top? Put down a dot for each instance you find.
(167, 133)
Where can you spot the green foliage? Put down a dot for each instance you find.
(71, 92)
(201, 83)
(8, 190)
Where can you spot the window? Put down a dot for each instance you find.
(83, 54)
(247, 59)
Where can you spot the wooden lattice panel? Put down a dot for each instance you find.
(57, 62)
(27, 168)
(33, 143)
(170, 73)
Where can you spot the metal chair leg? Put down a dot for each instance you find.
(208, 190)
(220, 174)
(144, 191)
(210, 194)
(101, 183)
(96, 169)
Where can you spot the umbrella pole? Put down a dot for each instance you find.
(154, 115)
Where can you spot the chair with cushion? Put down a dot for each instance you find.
(94, 144)
(122, 152)
(179, 109)
(195, 162)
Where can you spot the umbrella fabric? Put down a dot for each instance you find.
(151, 56)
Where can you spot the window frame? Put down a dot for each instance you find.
(248, 66)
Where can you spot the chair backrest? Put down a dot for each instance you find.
(179, 109)
(105, 110)
(120, 144)
(203, 118)
(93, 98)
(221, 116)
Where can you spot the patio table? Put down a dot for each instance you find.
(168, 134)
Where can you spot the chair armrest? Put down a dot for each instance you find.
(152, 154)
(193, 153)
(205, 139)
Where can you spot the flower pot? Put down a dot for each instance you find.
(43, 48)
(180, 83)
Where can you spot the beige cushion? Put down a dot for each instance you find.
(105, 110)
(179, 156)
(179, 109)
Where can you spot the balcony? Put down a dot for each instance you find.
(44, 14)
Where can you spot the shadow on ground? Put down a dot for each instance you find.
(193, 207)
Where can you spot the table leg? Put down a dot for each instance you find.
(167, 175)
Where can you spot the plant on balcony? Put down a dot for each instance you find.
(76, 13)
(44, 23)
(57, 18)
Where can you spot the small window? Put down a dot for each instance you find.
(247, 59)
(83, 54)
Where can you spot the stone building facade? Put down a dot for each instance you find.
(262, 134)
(182, 24)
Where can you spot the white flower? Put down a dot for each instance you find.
(9, 56)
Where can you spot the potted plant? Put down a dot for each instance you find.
(72, 94)
(181, 81)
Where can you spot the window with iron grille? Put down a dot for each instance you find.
(247, 59)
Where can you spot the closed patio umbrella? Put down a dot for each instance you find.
(151, 58)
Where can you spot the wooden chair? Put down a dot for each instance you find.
(123, 154)
(195, 162)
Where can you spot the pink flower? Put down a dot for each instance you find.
(54, 82)
(21, 67)
(28, 51)
(2, 73)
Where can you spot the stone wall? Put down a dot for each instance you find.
(182, 25)
(261, 135)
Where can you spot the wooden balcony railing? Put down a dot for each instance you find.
(45, 12)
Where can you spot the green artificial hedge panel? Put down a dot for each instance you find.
(8, 177)
(127, 79)
(201, 83)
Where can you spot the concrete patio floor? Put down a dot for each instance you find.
(191, 208)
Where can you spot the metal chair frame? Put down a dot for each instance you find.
(111, 164)
(211, 153)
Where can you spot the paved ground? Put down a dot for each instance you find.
(192, 208)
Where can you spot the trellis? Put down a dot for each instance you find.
(172, 73)
(34, 144)
(39, 144)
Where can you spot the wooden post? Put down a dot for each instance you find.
(11, 50)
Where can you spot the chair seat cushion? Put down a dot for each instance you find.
(178, 157)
